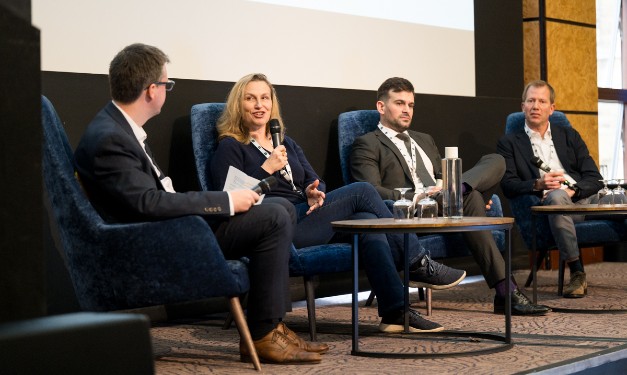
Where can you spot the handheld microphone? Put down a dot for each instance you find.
(264, 186)
(275, 132)
(542, 165)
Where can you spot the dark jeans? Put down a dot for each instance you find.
(381, 255)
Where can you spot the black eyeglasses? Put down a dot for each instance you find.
(169, 85)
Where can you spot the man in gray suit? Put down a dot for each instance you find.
(393, 156)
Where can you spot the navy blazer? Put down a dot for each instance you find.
(121, 182)
(520, 173)
(376, 159)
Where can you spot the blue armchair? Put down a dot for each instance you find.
(125, 266)
(589, 232)
(306, 262)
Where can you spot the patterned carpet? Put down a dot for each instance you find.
(202, 347)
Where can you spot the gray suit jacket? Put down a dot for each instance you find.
(376, 159)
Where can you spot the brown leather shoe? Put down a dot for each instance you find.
(314, 347)
(275, 347)
(578, 286)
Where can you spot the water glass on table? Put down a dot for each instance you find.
(619, 193)
(427, 206)
(403, 208)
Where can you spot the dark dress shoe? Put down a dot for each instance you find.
(275, 347)
(314, 347)
(521, 305)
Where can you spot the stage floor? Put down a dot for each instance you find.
(560, 342)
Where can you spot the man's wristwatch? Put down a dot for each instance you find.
(576, 189)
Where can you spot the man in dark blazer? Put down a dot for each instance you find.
(388, 159)
(563, 150)
(124, 184)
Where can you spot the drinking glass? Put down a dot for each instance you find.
(427, 206)
(619, 193)
(402, 208)
(606, 196)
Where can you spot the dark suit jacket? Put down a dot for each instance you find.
(376, 159)
(121, 182)
(520, 173)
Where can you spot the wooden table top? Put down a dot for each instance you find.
(390, 223)
(583, 209)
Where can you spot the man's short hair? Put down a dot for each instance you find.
(395, 84)
(537, 84)
(133, 69)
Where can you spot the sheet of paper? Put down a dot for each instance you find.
(238, 180)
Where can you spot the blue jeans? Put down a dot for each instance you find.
(381, 255)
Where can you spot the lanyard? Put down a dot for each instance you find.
(410, 160)
(286, 172)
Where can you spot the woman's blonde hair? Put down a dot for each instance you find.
(231, 123)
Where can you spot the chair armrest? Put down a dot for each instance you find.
(496, 209)
(161, 262)
(521, 209)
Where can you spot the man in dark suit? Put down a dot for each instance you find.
(124, 184)
(563, 150)
(393, 156)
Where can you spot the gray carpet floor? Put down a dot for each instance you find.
(577, 330)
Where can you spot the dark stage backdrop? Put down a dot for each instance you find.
(474, 124)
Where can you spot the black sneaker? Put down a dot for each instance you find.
(434, 275)
(395, 323)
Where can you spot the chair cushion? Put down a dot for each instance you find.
(322, 259)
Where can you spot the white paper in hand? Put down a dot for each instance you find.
(238, 180)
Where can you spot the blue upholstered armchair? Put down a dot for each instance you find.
(306, 262)
(124, 266)
(589, 232)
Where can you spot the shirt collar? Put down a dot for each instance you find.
(532, 133)
(138, 131)
(391, 133)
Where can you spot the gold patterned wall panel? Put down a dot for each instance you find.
(531, 51)
(587, 126)
(583, 11)
(572, 66)
(531, 8)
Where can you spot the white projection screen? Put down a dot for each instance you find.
(352, 44)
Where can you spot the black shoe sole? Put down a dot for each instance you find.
(574, 295)
(518, 313)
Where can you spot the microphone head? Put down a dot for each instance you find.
(275, 127)
(267, 184)
(540, 164)
(536, 161)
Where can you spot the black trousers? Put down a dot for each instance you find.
(264, 235)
